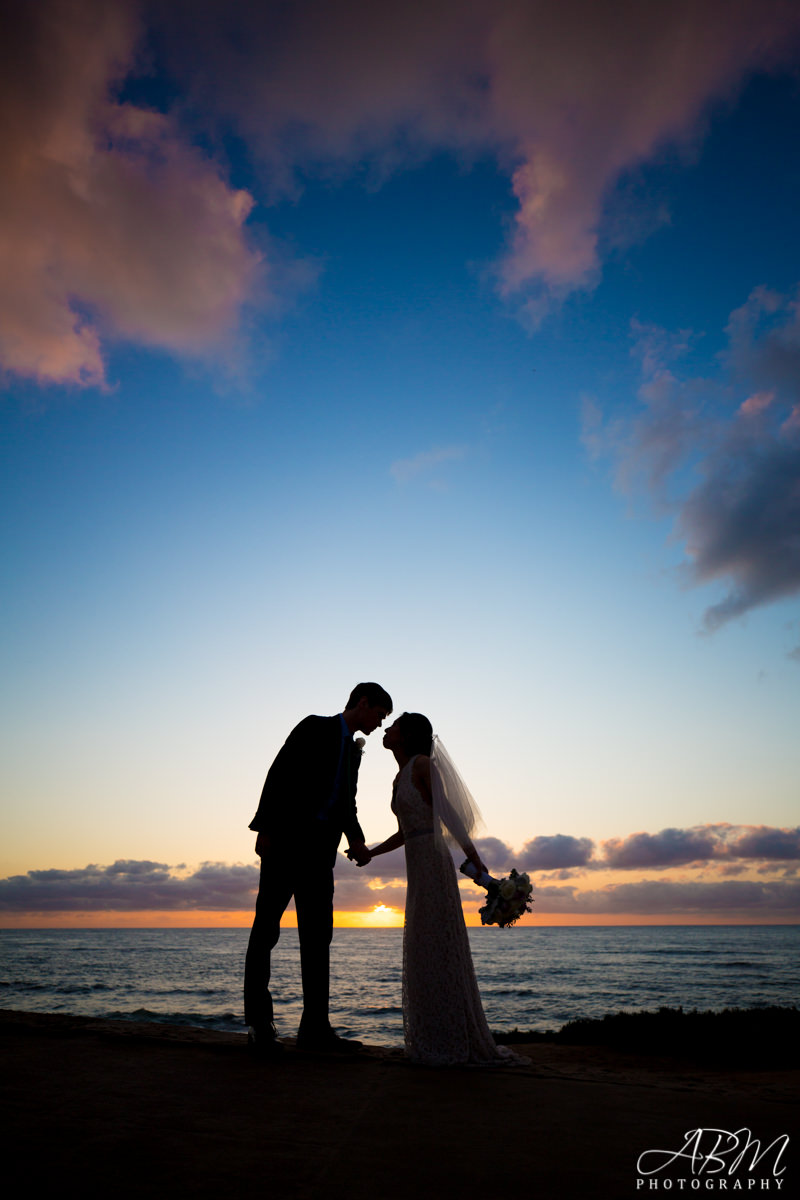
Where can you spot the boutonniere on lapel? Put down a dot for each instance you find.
(358, 745)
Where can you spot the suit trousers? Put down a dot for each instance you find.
(311, 884)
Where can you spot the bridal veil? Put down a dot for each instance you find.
(455, 813)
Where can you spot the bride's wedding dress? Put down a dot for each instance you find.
(443, 1016)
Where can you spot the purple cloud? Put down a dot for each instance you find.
(648, 897)
(670, 847)
(130, 886)
(554, 852)
(763, 842)
(498, 856)
(739, 523)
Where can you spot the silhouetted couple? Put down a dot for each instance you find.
(307, 803)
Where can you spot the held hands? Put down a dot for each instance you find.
(358, 853)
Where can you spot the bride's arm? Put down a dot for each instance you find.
(475, 858)
(391, 843)
(421, 778)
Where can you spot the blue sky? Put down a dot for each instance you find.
(386, 418)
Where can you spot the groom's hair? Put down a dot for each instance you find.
(374, 694)
(416, 732)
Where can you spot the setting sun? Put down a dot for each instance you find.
(382, 916)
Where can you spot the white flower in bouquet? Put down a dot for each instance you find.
(506, 899)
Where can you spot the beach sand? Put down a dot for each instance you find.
(123, 1109)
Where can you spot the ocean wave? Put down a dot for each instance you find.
(81, 989)
(224, 1021)
(731, 964)
(179, 991)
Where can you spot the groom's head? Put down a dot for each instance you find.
(367, 707)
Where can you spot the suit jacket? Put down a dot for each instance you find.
(297, 799)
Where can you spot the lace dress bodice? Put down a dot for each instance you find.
(443, 1017)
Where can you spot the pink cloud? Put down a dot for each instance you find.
(116, 225)
(113, 223)
(568, 98)
(791, 425)
(587, 92)
(756, 404)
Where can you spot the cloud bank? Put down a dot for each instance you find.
(731, 899)
(116, 224)
(143, 885)
(130, 886)
(704, 843)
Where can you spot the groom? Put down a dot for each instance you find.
(308, 801)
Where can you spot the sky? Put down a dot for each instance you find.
(451, 346)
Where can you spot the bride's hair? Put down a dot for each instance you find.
(416, 732)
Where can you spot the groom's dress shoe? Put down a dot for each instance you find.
(326, 1041)
(263, 1042)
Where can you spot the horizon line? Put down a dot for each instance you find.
(372, 926)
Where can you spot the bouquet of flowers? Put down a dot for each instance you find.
(506, 899)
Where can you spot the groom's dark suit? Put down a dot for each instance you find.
(307, 802)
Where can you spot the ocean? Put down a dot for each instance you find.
(530, 978)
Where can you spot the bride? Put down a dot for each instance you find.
(443, 1018)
